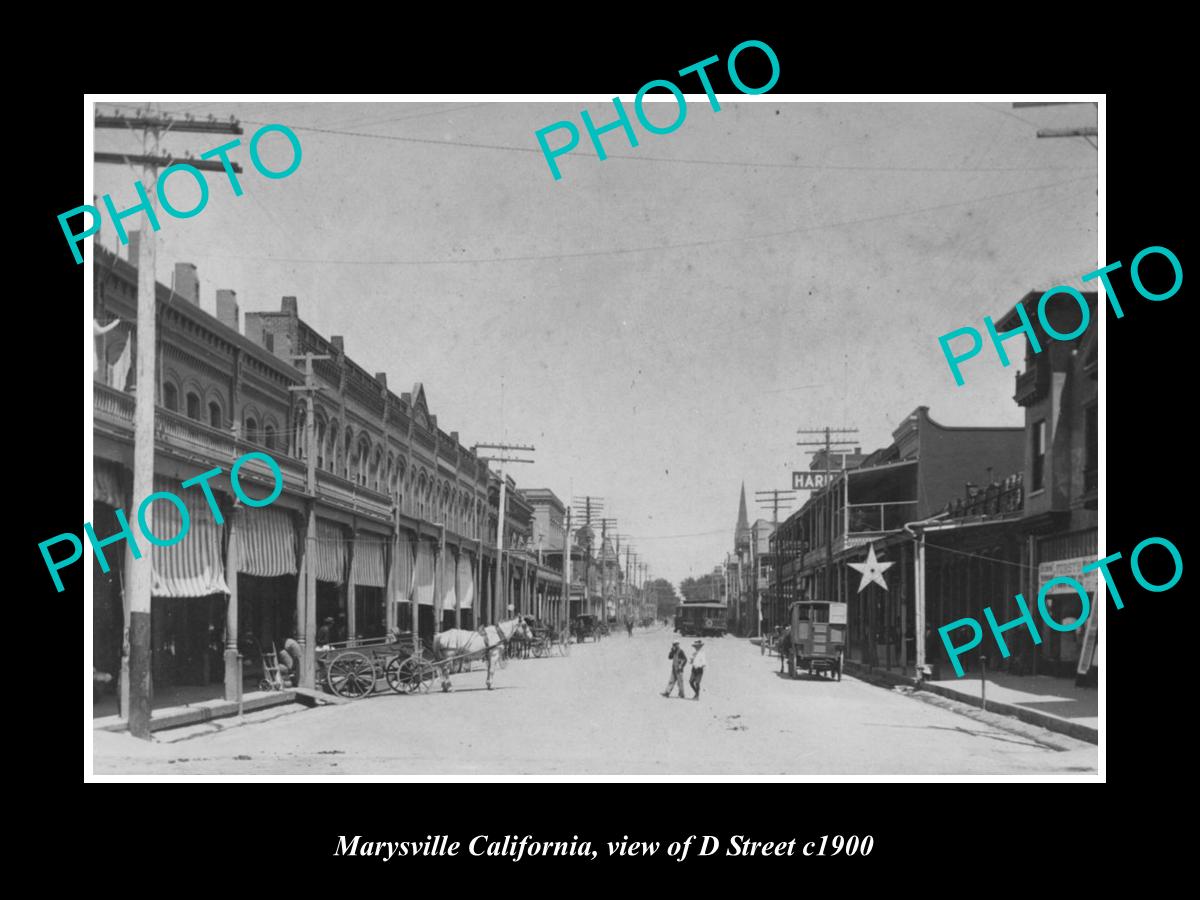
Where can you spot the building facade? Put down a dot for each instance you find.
(865, 508)
(385, 519)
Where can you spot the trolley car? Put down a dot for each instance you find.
(701, 619)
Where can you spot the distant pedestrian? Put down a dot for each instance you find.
(629, 625)
(699, 661)
(678, 659)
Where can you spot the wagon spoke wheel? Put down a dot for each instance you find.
(351, 675)
(408, 675)
(397, 677)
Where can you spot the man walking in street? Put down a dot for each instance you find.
(678, 659)
(698, 663)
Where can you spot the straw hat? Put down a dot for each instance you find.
(697, 643)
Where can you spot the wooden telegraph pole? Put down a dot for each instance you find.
(306, 611)
(501, 588)
(587, 505)
(136, 687)
(829, 444)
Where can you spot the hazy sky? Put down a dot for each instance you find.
(657, 325)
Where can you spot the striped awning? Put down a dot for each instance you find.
(194, 567)
(331, 552)
(366, 568)
(400, 588)
(266, 542)
(423, 574)
(466, 581)
(449, 588)
(106, 484)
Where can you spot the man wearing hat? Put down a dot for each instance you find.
(678, 659)
(698, 664)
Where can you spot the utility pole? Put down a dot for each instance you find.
(566, 619)
(1086, 132)
(604, 566)
(136, 687)
(773, 499)
(588, 505)
(306, 613)
(843, 446)
(501, 587)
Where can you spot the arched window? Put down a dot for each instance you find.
(193, 405)
(170, 396)
(320, 444)
(269, 437)
(251, 434)
(299, 442)
(362, 461)
(215, 419)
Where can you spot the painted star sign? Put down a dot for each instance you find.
(872, 570)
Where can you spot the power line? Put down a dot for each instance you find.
(658, 247)
(474, 145)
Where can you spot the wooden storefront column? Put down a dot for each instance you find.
(233, 660)
(351, 604)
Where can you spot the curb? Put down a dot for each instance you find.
(178, 716)
(1034, 717)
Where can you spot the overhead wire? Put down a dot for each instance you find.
(654, 248)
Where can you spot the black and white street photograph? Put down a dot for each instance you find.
(733, 434)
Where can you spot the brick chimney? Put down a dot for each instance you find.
(187, 282)
(339, 343)
(381, 377)
(289, 306)
(227, 308)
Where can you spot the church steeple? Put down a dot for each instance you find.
(741, 537)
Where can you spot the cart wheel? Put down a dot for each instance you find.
(351, 675)
(398, 674)
(412, 677)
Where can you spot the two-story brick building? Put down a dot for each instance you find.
(398, 524)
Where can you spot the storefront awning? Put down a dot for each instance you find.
(466, 582)
(194, 567)
(331, 552)
(266, 543)
(106, 484)
(367, 566)
(423, 574)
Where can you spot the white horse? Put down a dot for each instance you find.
(488, 642)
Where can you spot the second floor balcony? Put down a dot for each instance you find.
(872, 518)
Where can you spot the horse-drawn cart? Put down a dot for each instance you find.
(355, 669)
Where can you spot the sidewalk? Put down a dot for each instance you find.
(1052, 703)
